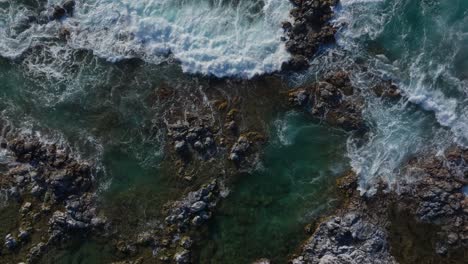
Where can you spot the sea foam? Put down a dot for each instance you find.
(418, 45)
(218, 37)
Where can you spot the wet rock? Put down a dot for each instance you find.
(297, 63)
(309, 30)
(191, 137)
(209, 142)
(37, 190)
(36, 252)
(231, 125)
(198, 206)
(26, 207)
(388, 90)
(126, 248)
(186, 242)
(197, 221)
(54, 179)
(347, 239)
(23, 235)
(182, 257)
(10, 242)
(299, 97)
(69, 6)
(441, 249)
(14, 192)
(334, 100)
(239, 149)
(198, 145)
(180, 147)
(58, 12)
(437, 197)
(98, 222)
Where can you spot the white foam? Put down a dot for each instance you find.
(209, 37)
(422, 61)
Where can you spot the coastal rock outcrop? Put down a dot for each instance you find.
(437, 195)
(333, 100)
(346, 239)
(54, 187)
(309, 30)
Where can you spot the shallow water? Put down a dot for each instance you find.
(266, 213)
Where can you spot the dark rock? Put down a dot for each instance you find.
(209, 142)
(145, 238)
(198, 145)
(344, 239)
(23, 235)
(296, 63)
(36, 252)
(69, 6)
(10, 242)
(58, 12)
(180, 146)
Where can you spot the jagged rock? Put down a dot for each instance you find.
(309, 30)
(347, 239)
(333, 100)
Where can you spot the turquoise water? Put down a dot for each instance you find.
(267, 210)
(420, 46)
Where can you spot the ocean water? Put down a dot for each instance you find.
(421, 47)
(97, 92)
(219, 38)
(294, 184)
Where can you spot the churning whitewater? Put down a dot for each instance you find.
(219, 38)
(419, 45)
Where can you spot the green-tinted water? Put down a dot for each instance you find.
(110, 113)
(267, 210)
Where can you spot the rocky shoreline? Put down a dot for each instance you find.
(54, 191)
(309, 30)
(359, 231)
(212, 136)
